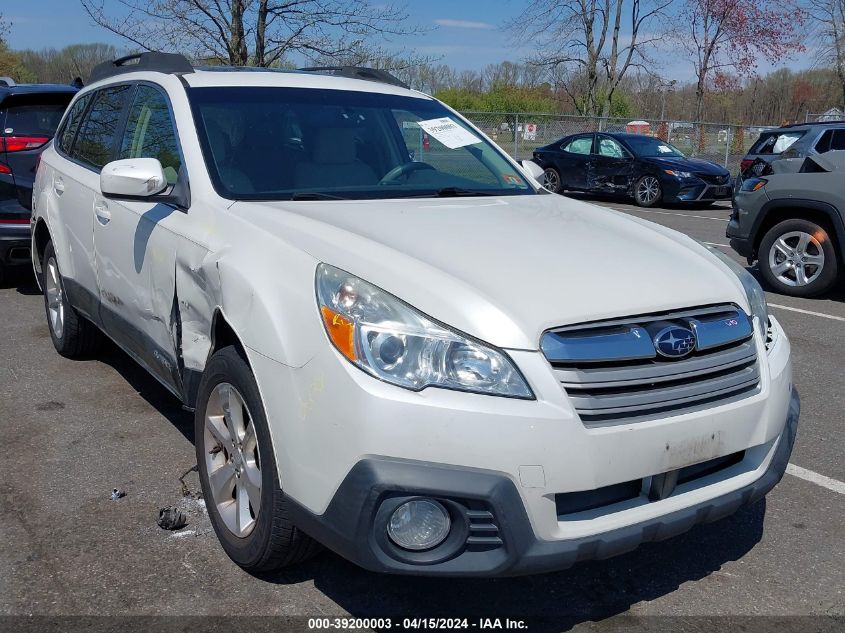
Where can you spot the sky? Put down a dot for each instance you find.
(465, 34)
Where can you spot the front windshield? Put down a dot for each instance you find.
(651, 147)
(304, 143)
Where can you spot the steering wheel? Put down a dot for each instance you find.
(403, 170)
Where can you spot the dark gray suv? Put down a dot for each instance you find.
(792, 141)
(792, 223)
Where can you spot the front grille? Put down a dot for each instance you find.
(613, 373)
(710, 179)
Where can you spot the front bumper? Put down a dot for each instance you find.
(497, 537)
(696, 190)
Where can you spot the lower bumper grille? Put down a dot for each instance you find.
(613, 373)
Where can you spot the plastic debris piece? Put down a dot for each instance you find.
(171, 518)
(117, 493)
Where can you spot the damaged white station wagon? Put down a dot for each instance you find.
(397, 344)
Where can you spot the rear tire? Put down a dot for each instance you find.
(797, 257)
(73, 336)
(248, 510)
(647, 191)
(552, 181)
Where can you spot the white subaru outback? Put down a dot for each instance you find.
(397, 344)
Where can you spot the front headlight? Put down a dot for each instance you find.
(389, 339)
(753, 290)
(678, 174)
(753, 184)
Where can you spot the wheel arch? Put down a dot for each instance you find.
(40, 238)
(822, 213)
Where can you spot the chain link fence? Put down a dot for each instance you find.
(520, 134)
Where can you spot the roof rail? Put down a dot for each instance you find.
(170, 63)
(7, 81)
(808, 123)
(359, 72)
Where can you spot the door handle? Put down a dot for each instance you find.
(58, 186)
(101, 210)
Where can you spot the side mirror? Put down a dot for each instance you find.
(533, 171)
(133, 179)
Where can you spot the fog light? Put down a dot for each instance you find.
(419, 524)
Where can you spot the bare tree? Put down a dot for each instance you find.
(581, 42)
(725, 37)
(251, 32)
(829, 19)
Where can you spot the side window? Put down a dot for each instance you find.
(96, 137)
(610, 148)
(838, 141)
(71, 124)
(150, 132)
(823, 144)
(580, 145)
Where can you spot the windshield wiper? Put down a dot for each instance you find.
(453, 192)
(315, 195)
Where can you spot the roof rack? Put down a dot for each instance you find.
(7, 81)
(358, 72)
(170, 63)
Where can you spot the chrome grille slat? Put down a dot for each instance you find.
(636, 389)
(655, 372)
(595, 400)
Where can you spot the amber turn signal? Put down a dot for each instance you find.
(341, 331)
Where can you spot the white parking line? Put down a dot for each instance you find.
(810, 312)
(682, 215)
(816, 478)
(717, 244)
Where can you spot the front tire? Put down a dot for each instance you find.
(73, 336)
(237, 468)
(647, 191)
(798, 258)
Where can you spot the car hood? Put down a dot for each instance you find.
(688, 164)
(504, 269)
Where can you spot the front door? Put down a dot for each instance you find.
(610, 166)
(135, 245)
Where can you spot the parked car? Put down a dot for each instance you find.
(791, 141)
(405, 361)
(792, 223)
(29, 115)
(645, 168)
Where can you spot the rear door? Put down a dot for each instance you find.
(29, 121)
(611, 165)
(76, 184)
(573, 161)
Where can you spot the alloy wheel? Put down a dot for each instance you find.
(232, 459)
(551, 180)
(648, 189)
(796, 258)
(55, 298)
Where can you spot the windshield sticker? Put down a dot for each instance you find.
(664, 149)
(510, 179)
(448, 132)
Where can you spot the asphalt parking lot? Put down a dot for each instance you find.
(74, 430)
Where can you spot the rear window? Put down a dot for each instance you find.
(776, 142)
(36, 115)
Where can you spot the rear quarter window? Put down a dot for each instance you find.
(71, 125)
(776, 142)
